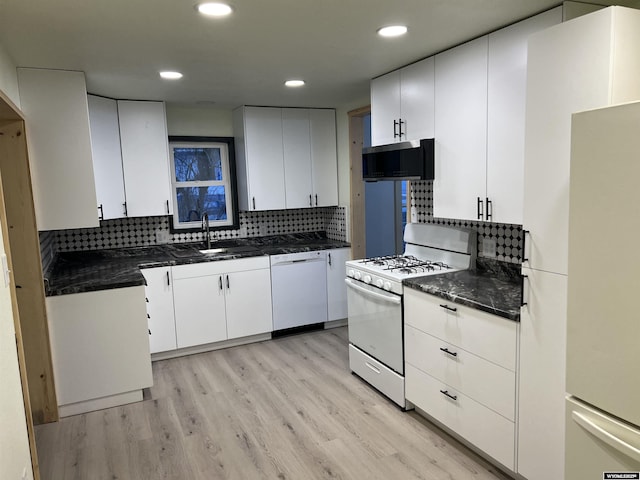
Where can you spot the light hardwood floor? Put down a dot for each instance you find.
(283, 409)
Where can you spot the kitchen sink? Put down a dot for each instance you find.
(229, 250)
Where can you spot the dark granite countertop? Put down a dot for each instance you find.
(493, 287)
(76, 272)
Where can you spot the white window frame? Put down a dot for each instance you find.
(227, 181)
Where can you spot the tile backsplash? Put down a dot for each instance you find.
(144, 231)
(500, 241)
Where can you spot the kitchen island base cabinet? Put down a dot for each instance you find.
(100, 348)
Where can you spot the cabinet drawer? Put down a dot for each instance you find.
(377, 375)
(488, 336)
(216, 268)
(489, 384)
(490, 432)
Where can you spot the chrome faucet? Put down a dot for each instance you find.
(205, 228)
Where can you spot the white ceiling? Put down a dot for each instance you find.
(243, 59)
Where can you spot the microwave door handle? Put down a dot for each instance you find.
(395, 299)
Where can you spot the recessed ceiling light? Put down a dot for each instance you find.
(171, 75)
(214, 9)
(294, 83)
(392, 31)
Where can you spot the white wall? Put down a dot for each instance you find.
(199, 121)
(8, 77)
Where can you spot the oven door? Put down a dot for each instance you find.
(375, 323)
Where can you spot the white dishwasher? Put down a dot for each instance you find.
(298, 289)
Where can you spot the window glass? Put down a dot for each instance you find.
(193, 202)
(193, 164)
(202, 183)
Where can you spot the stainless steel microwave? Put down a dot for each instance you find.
(412, 160)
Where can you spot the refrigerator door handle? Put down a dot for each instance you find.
(614, 441)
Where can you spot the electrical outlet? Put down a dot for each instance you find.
(488, 247)
(414, 214)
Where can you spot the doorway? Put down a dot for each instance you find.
(378, 209)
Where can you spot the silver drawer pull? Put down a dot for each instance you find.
(446, 393)
(372, 367)
(447, 307)
(449, 352)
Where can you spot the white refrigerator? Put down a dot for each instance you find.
(603, 310)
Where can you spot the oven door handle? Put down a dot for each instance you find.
(395, 299)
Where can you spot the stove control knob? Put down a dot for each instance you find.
(350, 272)
(387, 286)
(367, 279)
(357, 275)
(379, 283)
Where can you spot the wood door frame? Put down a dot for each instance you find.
(357, 219)
(22, 248)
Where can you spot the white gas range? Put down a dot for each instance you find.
(374, 299)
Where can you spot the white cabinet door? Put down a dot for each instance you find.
(159, 294)
(264, 158)
(385, 108)
(542, 376)
(336, 288)
(145, 157)
(296, 142)
(507, 79)
(557, 57)
(248, 303)
(417, 100)
(107, 157)
(199, 309)
(324, 157)
(57, 121)
(460, 130)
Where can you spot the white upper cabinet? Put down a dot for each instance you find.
(285, 157)
(461, 131)
(590, 62)
(259, 158)
(145, 157)
(402, 104)
(324, 157)
(507, 79)
(57, 120)
(107, 157)
(296, 141)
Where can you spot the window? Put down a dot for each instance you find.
(203, 181)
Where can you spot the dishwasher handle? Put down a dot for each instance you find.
(389, 298)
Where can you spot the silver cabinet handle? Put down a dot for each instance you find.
(372, 367)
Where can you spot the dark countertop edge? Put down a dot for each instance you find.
(468, 302)
(175, 261)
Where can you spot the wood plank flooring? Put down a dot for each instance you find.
(284, 409)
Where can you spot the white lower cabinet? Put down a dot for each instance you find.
(460, 368)
(159, 292)
(336, 288)
(216, 301)
(99, 348)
